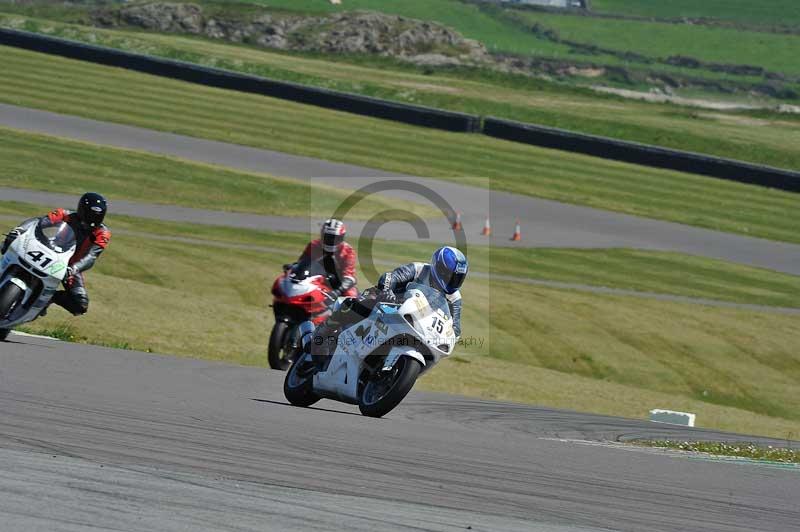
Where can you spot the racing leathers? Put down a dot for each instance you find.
(390, 284)
(90, 243)
(341, 266)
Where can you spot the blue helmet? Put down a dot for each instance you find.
(448, 269)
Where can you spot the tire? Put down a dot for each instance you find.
(299, 389)
(276, 353)
(402, 380)
(9, 295)
(4, 334)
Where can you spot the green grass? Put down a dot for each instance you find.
(769, 138)
(776, 52)
(495, 379)
(169, 105)
(644, 271)
(617, 355)
(738, 450)
(48, 163)
(778, 12)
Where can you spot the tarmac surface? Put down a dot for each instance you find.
(544, 223)
(102, 439)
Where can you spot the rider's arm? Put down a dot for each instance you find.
(348, 265)
(55, 216)
(397, 279)
(455, 311)
(101, 239)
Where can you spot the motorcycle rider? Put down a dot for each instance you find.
(446, 272)
(92, 238)
(337, 257)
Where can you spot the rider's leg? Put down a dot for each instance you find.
(74, 298)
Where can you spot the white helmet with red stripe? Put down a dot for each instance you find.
(332, 235)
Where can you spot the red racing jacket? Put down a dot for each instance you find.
(344, 261)
(90, 241)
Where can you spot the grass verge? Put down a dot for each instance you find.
(739, 450)
(48, 163)
(615, 355)
(169, 105)
(645, 271)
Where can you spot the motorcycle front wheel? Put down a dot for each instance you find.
(382, 394)
(277, 355)
(10, 294)
(298, 386)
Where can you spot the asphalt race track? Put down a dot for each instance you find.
(100, 439)
(545, 223)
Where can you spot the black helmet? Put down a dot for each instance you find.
(92, 209)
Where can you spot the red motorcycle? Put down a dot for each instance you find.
(301, 293)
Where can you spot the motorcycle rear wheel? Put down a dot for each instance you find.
(381, 396)
(277, 356)
(298, 387)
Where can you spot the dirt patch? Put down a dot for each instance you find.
(670, 98)
(737, 119)
(427, 87)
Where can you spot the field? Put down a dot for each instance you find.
(778, 12)
(194, 110)
(507, 30)
(654, 40)
(598, 353)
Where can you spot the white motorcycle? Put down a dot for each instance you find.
(377, 360)
(32, 269)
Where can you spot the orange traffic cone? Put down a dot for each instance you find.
(487, 228)
(517, 233)
(457, 224)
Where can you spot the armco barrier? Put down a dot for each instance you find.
(351, 103)
(643, 154)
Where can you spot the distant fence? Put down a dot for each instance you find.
(548, 137)
(643, 154)
(351, 103)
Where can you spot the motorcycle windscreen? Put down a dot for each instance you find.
(435, 299)
(305, 269)
(59, 238)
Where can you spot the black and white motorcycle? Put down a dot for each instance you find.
(31, 271)
(377, 360)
